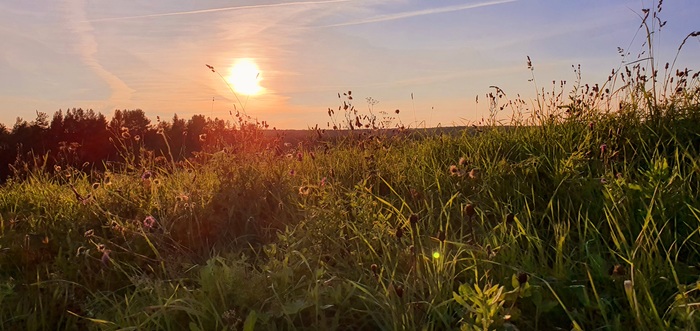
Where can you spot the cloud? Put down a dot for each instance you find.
(431, 11)
(214, 10)
(87, 47)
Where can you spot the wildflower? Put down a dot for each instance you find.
(137, 138)
(126, 135)
(289, 156)
(474, 173)
(323, 181)
(149, 222)
(300, 156)
(454, 171)
(203, 137)
(374, 268)
(89, 233)
(146, 175)
(292, 172)
(304, 190)
(590, 125)
(57, 168)
(462, 161)
(603, 148)
(105, 257)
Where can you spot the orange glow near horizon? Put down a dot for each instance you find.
(245, 78)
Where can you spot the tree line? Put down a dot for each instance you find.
(82, 138)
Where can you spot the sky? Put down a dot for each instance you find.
(429, 59)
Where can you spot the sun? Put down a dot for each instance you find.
(244, 77)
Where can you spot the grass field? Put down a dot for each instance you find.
(573, 217)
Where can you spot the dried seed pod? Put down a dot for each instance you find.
(469, 210)
(413, 219)
(522, 278)
(441, 236)
(374, 268)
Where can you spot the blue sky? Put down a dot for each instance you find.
(151, 55)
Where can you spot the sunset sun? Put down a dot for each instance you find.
(245, 77)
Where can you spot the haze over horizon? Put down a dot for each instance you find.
(428, 59)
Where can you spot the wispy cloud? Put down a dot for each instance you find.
(214, 10)
(87, 47)
(431, 11)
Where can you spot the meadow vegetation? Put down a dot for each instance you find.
(581, 213)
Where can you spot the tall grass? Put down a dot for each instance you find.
(579, 217)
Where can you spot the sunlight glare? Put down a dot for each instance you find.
(245, 77)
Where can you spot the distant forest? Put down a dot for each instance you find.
(85, 139)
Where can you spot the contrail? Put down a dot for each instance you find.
(214, 10)
(87, 48)
(399, 16)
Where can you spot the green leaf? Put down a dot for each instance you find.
(249, 324)
(459, 299)
(634, 187)
(291, 308)
(514, 281)
(194, 327)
